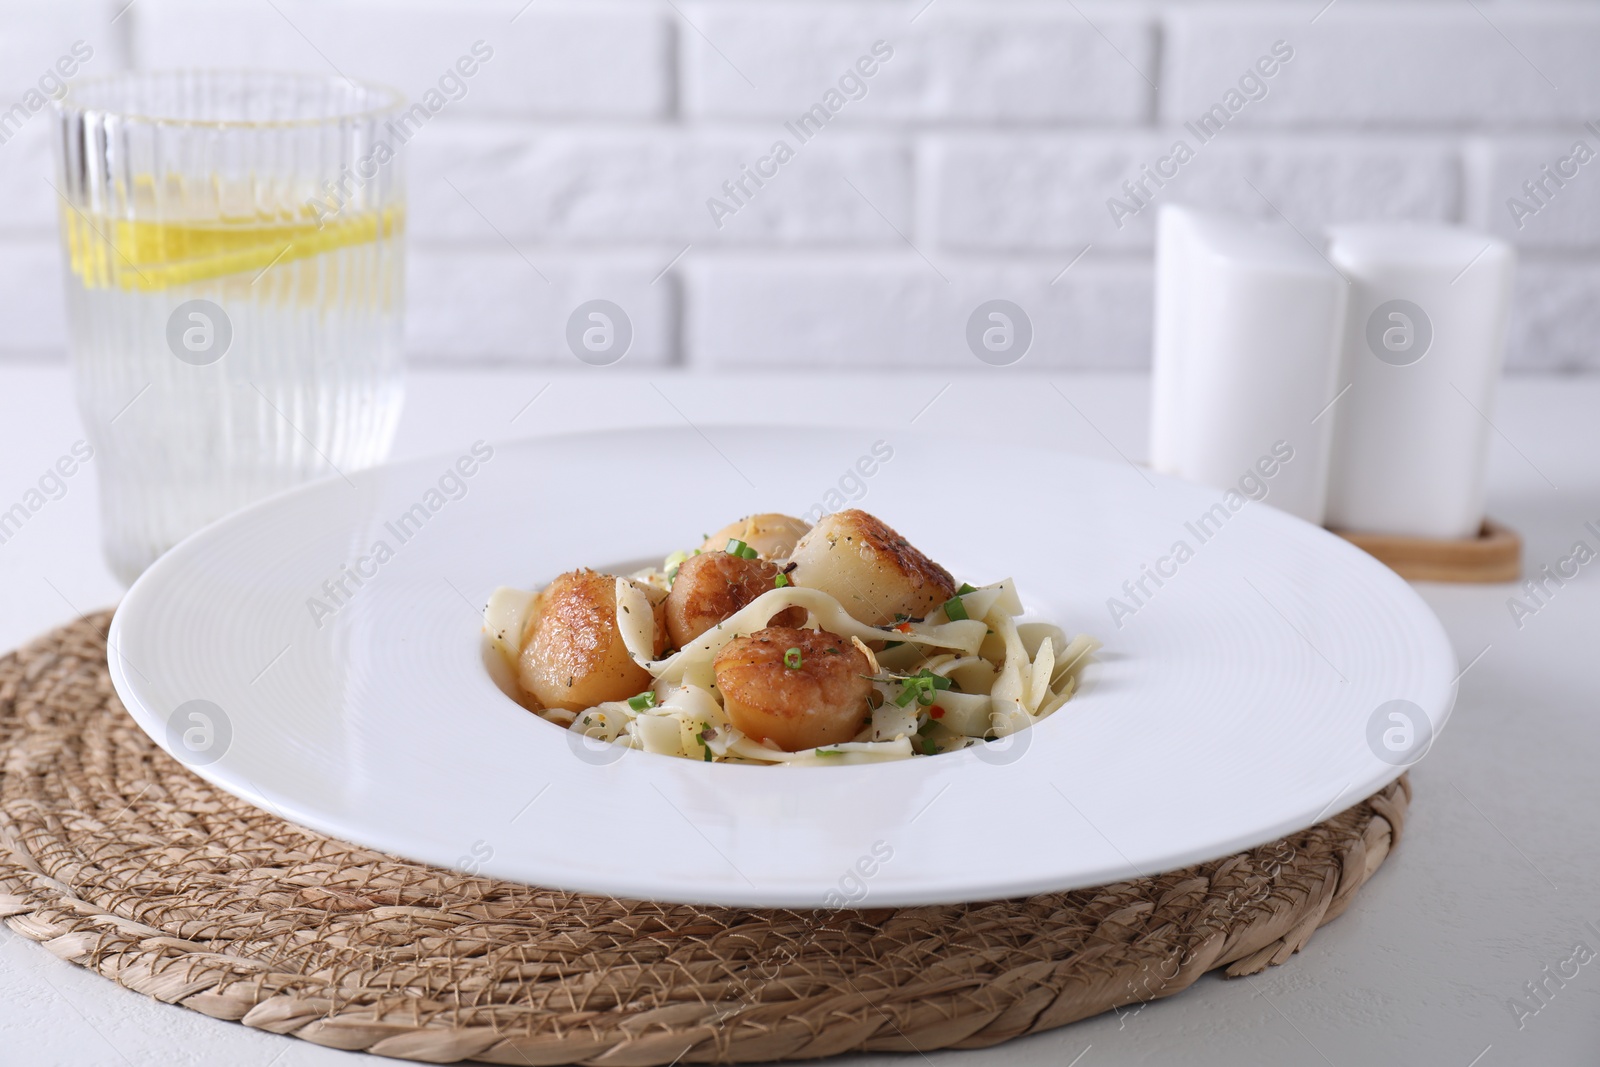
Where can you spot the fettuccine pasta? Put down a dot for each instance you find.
(772, 643)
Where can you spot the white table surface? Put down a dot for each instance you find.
(1496, 880)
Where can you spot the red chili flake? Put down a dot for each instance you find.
(904, 628)
(936, 712)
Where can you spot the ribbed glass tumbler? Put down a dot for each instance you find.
(234, 248)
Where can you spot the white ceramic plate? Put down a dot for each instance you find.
(1246, 696)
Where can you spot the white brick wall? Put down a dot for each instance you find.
(975, 162)
(595, 186)
(1009, 191)
(895, 309)
(999, 63)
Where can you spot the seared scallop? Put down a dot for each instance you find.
(771, 534)
(796, 688)
(712, 586)
(574, 656)
(871, 570)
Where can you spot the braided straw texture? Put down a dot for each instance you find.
(117, 858)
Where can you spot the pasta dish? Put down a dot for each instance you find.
(774, 642)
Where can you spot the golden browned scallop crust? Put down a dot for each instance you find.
(771, 533)
(856, 558)
(712, 586)
(574, 656)
(822, 701)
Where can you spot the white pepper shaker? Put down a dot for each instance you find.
(1423, 348)
(1247, 340)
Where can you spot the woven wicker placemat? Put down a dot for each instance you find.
(117, 858)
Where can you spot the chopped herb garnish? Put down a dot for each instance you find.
(707, 751)
(965, 589)
(829, 752)
(644, 700)
(929, 748)
(887, 645)
(954, 610)
(791, 659)
(781, 580)
(921, 688)
(738, 548)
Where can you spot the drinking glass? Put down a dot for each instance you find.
(234, 271)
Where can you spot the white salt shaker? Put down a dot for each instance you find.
(1249, 321)
(1424, 344)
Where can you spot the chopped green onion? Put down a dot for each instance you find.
(965, 589)
(791, 659)
(707, 751)
(781, 580)
(738, 548)
(748, 553)
(829, 752)
(646, 699)
(954, 610)
(921, 688)
(929, 748)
